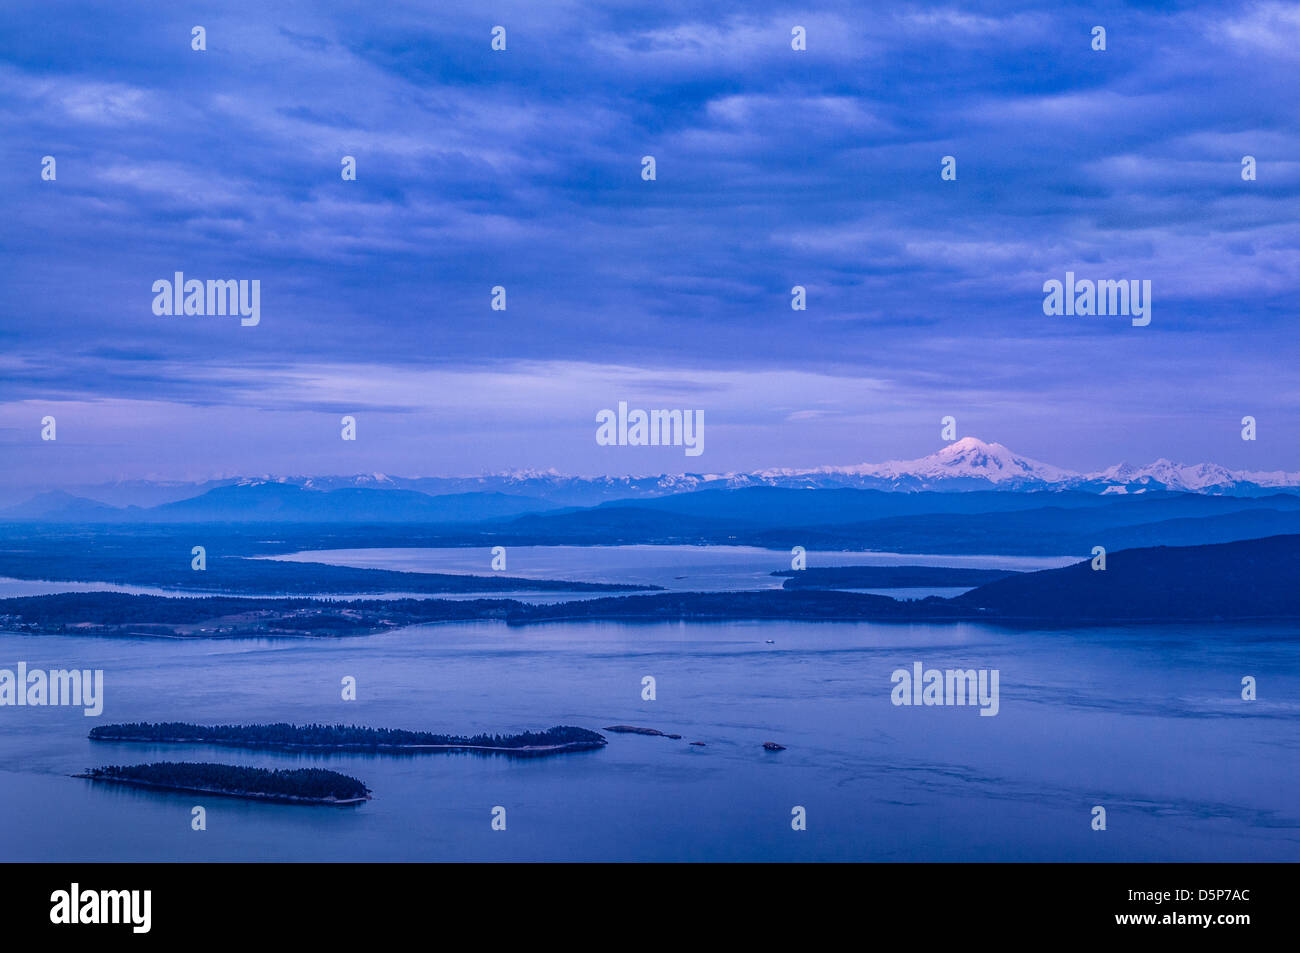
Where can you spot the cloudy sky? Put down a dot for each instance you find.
(522, 169)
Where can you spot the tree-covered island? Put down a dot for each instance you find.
(282, 736)
(292, 786)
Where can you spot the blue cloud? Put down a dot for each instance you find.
(775, 168)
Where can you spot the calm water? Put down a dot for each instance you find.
(1146, 721)
(686, 568)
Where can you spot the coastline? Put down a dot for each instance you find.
(245, 795)
(524, 751)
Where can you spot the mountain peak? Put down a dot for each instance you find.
(969, 448)
(972, 457)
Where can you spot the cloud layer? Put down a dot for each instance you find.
(522, 169)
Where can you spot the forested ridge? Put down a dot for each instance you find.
(335, 736)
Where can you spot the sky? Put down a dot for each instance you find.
(523, 168)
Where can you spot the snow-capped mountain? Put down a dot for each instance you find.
(966, 464)
(968, 459)
(972, 463)
(1200, 478)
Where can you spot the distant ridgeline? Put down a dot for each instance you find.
(304, 785)
(349, 738)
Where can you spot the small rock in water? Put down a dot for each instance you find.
(699, 744)
(773, 746)
(771, 641)
(634, 730)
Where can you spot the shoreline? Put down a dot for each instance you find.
(216, 792)
(1015, 622)
(520, 751)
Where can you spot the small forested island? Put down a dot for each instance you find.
(293, 786)
(634, 730)
(282, 736)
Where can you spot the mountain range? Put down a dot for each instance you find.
(966, 465)
(970, 463)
